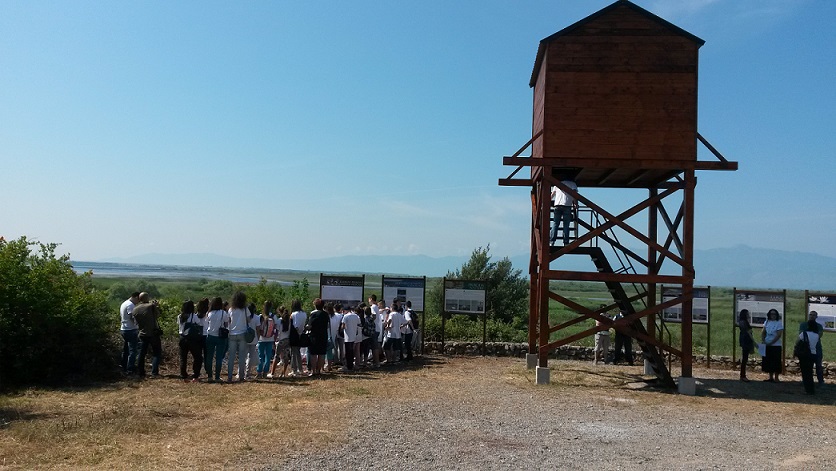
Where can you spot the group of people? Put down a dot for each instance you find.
(213, 332)
(809, 331)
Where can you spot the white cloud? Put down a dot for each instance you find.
(678, 8)
(673, 10)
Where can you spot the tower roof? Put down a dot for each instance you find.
(541, 50)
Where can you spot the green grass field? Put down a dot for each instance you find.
(587, 294)
(720, 327)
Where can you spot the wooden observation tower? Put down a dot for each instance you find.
(615, 106)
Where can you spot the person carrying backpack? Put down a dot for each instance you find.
(191, 340)
(808, 338)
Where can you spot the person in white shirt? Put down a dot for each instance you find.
(190, 328)
(407, 331)
(382, 317)
(253, 322)
(239, 316)
(563, 204)
(266, 339)
(216, 343)
(602, 341)
(335, 336)
(283, 325)
(351, 327)
(805, 362)
(130, 333)
(393, 326)
(298, 320)
(773, 330)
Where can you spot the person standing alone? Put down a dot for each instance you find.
(563, 204)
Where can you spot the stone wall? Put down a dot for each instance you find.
(574, 352)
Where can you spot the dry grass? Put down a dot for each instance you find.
(165, 423)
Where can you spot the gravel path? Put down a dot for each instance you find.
(485, 413)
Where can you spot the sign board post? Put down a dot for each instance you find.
(758, 303)
(463, 297)
(825, 306)
(700, 310)
(342, 289)
(407, 289)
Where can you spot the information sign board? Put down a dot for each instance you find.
(403, 290)
(825, 307)
(345, 290)
(699, 305)
(464, 296)
(758, 303)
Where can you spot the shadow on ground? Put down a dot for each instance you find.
(710, 383)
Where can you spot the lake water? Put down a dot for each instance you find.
(127, 270)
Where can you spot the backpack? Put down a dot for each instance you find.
(414, 318)
(193, 330)
(368, 327)
(802, 347)
(249, 335)
(267, 328)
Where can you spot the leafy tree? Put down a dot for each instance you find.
(299, 290)
(222, 288)
(265, 291)
(169, 312)
(55, 328)
(507, 296)
(146, 287)
(121, 291)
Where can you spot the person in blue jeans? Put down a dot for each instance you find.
(130, 334)
(563, 204)
(147, 314)
(216, 320)
(238, 322)
(267, 334)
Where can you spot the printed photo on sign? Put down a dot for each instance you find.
(825, 307)
(345, 290)
(404, 289)
(699, 305)
(758, 304)
(464, 296)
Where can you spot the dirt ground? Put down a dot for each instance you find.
(440, 412)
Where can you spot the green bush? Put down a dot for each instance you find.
(55, 328)
(278, 295)
(169, 312)
(506, 297)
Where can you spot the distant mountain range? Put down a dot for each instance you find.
(739, 266)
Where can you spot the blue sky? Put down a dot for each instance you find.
(318, 129)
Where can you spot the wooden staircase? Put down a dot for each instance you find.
(649, 352)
